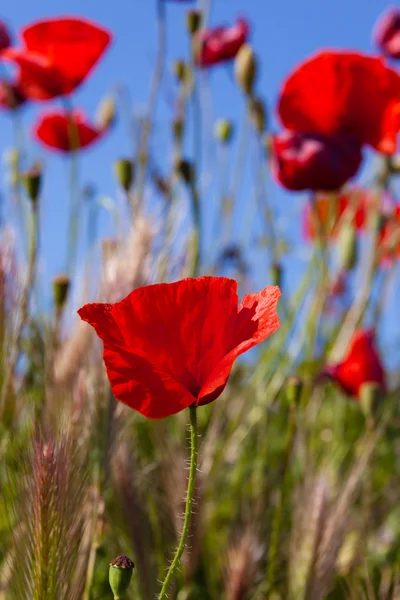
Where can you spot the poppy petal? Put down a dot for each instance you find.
(256, 320)
(186, 342)
(338, 106)
(73, 45)
(64, 132)
(39, 79)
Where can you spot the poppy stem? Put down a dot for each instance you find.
(189, 505)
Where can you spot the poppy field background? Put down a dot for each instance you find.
(165, 141)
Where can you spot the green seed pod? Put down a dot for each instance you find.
(185, 169)
(106, 112)
(294, 389)
(258, 114)
(276, 274)
(371, 396)
(120, 575)
(32, 180)
(181, 71)
(246, 68)
(194, 21)
(125, 173)
(178, 127)
(348, 246)
(223, 130)
(61, 287)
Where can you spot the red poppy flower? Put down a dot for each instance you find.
(362, 364)
(11, 95)
(344, 93)
(64, 132)
(168, 346)
(57, 56)
(221, 43)
(5, 37)
(305, 162)
(387, 33)
(331, 209)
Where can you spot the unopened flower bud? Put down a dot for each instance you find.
(194, 19)
(348, 246)
(125, 173)
(177, 129)
(276, 274)
(185, 169)
(246, 68)
(258, 114)
(371, 396)
(223, 130)
(395, 164)
(120, 575)
(181, 70)
(61, 287)
(32, 180)
(294, 389)
(105, 116)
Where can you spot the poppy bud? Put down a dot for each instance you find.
(223, 130)
(246, 68)
(371, 396)
(348, 246)
(185, 169)
(194, 19)
(294, 389)
(125, 173)
(61, 286)
(105, 116)
(258, 114)
(31, 180)
(394, 164)
(177, 129)
(276, 274)
(181, 71)
(120, 575)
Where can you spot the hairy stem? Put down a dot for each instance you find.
(189, 505)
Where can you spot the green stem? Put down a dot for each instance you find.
(189, 505)
(277, 520)
(198, 229)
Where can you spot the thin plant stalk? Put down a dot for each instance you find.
(189, 506)
(22, 311)
(153, 99)
(278, 515)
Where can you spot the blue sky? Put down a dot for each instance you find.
(283, 32)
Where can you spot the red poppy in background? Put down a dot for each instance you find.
(330, 209)
(66, 132)
(57, 56)
(314, 162)
(171, 345)
(386, 33)
(5, 37)
(11, 95)
(221, 43)
(343, 93)
(362, 364)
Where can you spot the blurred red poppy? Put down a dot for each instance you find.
(11, 95)
(5, 37)
(57, 56)
(343, 93)
(66, 132)
(386, 33)
(330, 209)
(314, 162)
(221, 43)
(362, 364)
(169, 346)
